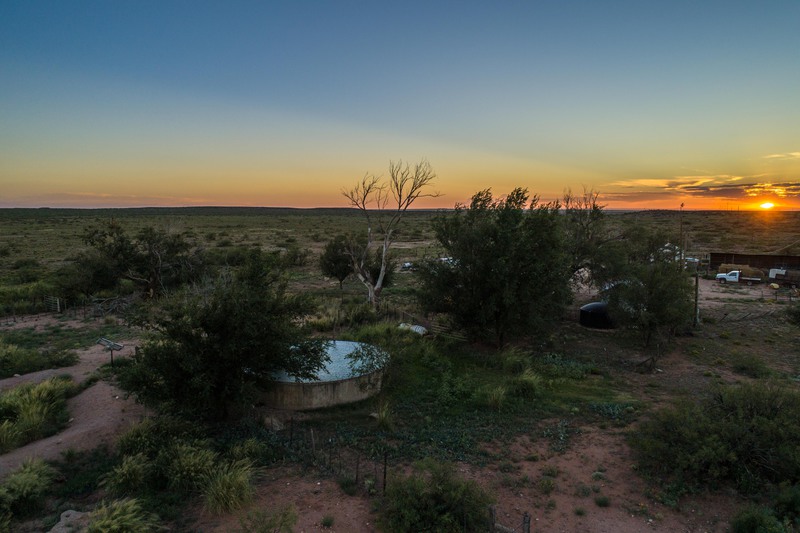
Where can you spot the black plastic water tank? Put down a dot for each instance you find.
(595, 315)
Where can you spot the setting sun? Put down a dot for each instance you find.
(767, 205)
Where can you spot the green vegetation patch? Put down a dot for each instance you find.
(743, 435)
(30, 412)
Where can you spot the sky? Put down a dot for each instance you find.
(179, 103)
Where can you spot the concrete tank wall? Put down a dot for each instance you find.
(318, 394)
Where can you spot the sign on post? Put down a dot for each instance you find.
(111, 345)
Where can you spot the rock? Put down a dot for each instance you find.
(270, 422)
(71, 521)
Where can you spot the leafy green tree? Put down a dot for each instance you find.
(335, 261)
(505, 272)
(87, 273)
(585, 232)
(154, 260)
(645, 287)
(216, 344)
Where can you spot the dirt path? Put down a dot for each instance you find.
(97, 415)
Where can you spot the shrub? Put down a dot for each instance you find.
(122, 515)
(228, 487)
(602, 501)
(154, 434)
(794, 314)
(435, 500)
(745, 435)
(23, 491)
(756, 520)
(750, 365)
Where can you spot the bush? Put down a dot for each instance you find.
(122, 516)
(435, 500)
(154, 434)
(745, 435)
(757, 520)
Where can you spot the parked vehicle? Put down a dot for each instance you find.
(735, 276)
(785, 277)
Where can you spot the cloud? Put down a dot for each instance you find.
(788, 155)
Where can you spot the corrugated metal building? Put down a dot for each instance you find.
(762, 261)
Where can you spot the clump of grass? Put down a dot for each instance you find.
(130, 475)
(602, 501)
(228, 487)
(496, 397)
(15, 359)
(122, 515)
(384, 416)
(528, 384)
(327, 521)
(547, 485)
(263, 521)
(30, 412)
(189, 466)
(348, 485)
(514, 360)
(22, 492)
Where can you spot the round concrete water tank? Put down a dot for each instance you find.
(348, 377)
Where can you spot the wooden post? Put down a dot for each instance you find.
(526, 523)
(696, 299)
(385, 457)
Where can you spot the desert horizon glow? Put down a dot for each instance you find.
(287, 103)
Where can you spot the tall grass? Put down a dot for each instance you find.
(30, 412)
(228, 486)
(23, 491)
(125, 515)
(15, 359)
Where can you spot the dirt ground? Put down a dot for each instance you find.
(598, 462)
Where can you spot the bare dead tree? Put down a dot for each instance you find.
(383, 203)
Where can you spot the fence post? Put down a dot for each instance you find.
(358, 464)
(526, 523)
(492, 517)
(385, 457)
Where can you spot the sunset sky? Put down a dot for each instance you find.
(173, 103)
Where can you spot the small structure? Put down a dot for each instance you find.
(595, 315)
(354, 373)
